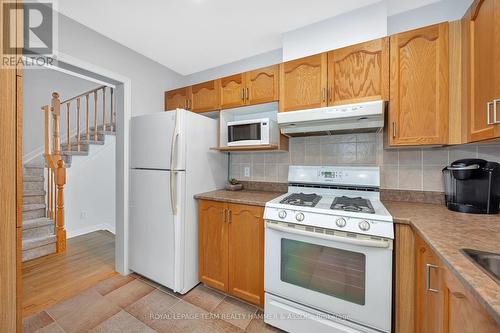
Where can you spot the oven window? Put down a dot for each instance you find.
(327, 270)
(244, 132)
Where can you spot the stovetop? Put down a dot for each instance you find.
(350, 204)
(302, 199)
(348, 212)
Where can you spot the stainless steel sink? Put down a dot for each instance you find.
(488, 262)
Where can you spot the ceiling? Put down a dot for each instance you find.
(189, 36)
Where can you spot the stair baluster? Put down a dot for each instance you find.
(77, 124)
(68, 145)
(95, 115)
(111, 123)
(104, 108)
(87, 127)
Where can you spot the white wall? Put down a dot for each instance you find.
(149, 79)
(91, 188)
(38, 87)
(347, 29)
(258, 61)
(446, 10)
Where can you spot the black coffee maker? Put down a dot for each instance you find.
(472, 186)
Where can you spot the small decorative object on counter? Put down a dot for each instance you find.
(233, 185)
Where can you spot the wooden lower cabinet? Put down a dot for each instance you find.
(231, 249)
(429, 293)
(429, 298)
(463, 314)
(212, 244)
(246, 253)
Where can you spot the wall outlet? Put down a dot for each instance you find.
(83, 215)
(247, 171)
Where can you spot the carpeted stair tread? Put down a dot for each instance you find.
(36, 223)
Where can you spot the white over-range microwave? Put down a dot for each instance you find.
(251, 132)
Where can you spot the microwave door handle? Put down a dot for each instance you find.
(347, 240)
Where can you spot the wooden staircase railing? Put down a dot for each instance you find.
(55, 165)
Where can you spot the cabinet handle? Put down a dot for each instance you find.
(330, 94)
(224, 215)
(488, 113)
(243, 93)
(495, 102)
(394, 129)
(428, 279)
(248, 93)
(229, 216)
(323, 93)
(185, 104)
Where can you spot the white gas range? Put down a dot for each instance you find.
(328, 253)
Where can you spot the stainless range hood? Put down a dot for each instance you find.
(351, 118)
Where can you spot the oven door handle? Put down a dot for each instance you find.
(347, 240)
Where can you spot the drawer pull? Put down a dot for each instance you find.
(428, 282)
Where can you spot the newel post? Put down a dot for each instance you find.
(60, 230)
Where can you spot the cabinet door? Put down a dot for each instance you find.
(232, 91)
(177, 98)
(205, 96)
(418, 110)
(212, 244)
(246, 253)
(464, 313)
(359, 73)
(429, 300)
(303, 83)
(483, 25)
(262, 85)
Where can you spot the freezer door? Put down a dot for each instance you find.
(157, 141)
(152, 226)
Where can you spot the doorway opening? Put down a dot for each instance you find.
(75, 182)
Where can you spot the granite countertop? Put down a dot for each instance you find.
(254, 198)
(447, 232)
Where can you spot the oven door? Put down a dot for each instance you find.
(342, 275)
(248, 134)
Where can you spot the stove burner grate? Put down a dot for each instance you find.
(302, 199)
(358, 205)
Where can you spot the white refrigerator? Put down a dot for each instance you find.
(171, 161)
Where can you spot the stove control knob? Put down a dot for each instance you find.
(300, 217)
(364, 225)
(282, 214)
(341, 222)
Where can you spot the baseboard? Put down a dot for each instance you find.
(89, 229)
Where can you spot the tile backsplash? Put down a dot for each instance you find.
(403, 169)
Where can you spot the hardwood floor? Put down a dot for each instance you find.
(48, 280)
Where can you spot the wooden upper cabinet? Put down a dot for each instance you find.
(212, 244)
(359, 73)
(232, 91)
(177, 98)
(246, 253)
(262, 85)
(418, 110)
(429, 295)
(205, 96)
(483, 24)
(303, 83)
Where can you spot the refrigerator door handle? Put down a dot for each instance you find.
(175, 136)
(173, 201)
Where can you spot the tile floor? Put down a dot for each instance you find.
(135, 304)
